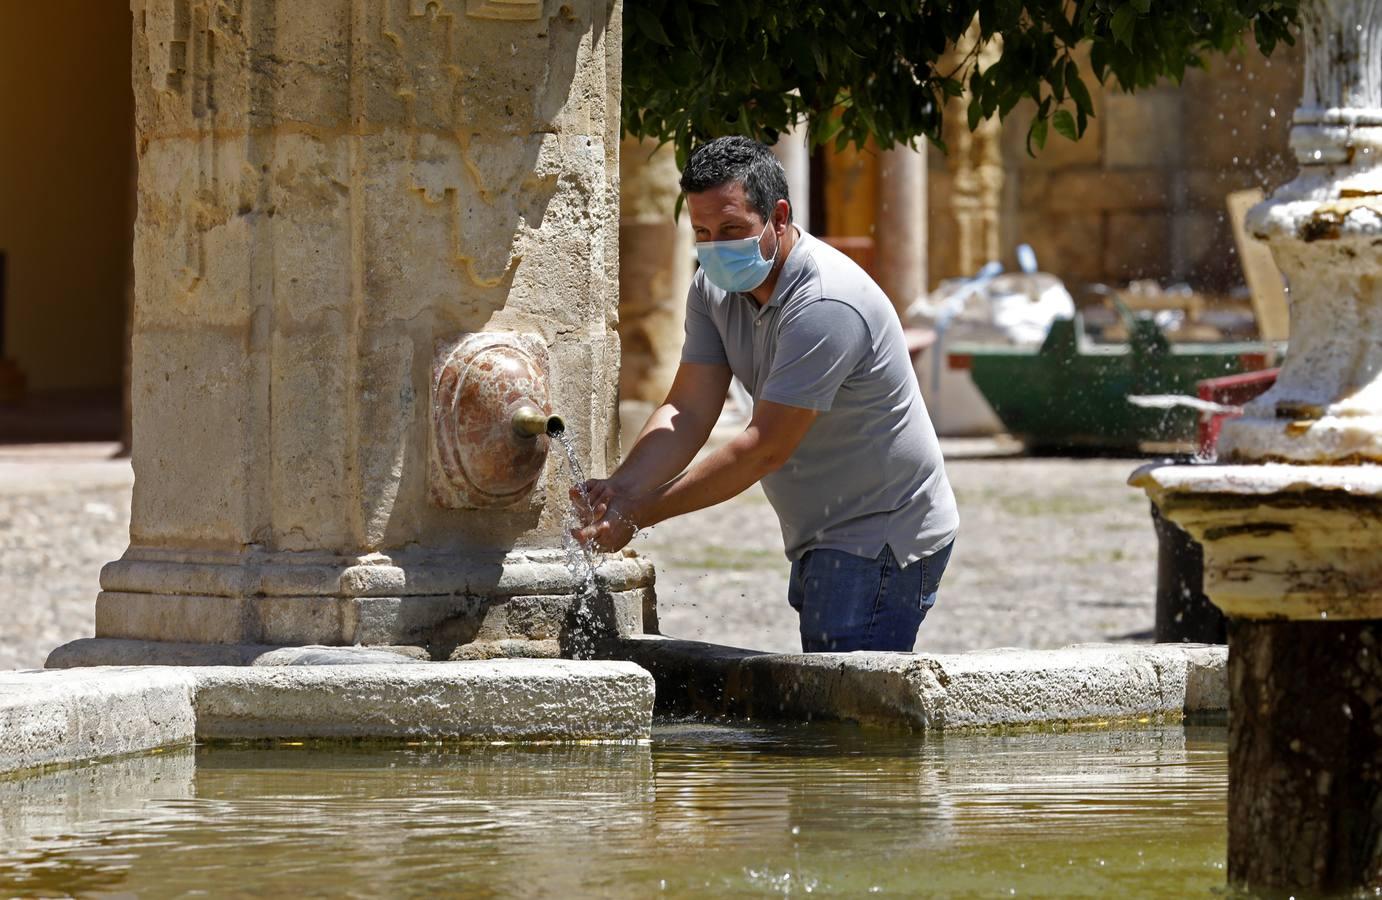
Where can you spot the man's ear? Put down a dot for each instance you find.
(782, 213)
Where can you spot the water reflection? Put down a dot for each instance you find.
(706, 809)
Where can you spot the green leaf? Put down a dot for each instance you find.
(1036, 134)
(1124, 21)
(1057, 79)
(1098, 59)
(649, 26)
(1007, 102)
(1142, 6)
(1064, 123)
(975, 112)
(1078, 92)
(687, 26)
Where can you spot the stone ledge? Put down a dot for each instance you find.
(87, 652)
(443, 621)
(510, 699)
(521, 573)
(55, 718)
(982, 689)
(61, 717)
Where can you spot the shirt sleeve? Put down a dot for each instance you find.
(703, 342)
(818, 347)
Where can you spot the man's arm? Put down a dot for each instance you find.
(672, 435)
(769, 441)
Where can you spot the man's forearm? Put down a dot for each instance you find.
(667, 443)
(726, 473)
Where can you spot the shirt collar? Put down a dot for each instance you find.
(790, 268)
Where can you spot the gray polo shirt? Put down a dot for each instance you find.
(869, 471)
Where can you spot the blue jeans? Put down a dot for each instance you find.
(848, 602)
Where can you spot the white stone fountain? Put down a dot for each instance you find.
(1291, 517)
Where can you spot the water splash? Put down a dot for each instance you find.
(580, 557)
(580, 560)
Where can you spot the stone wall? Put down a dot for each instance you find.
(1142, 194)
(655, 266)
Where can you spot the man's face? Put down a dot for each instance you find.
(723, 214)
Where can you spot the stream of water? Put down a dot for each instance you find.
(705, 810)
(580, 558)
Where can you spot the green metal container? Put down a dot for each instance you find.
(1073, 392)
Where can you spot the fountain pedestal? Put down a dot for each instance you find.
(1291, 522)
(337, 201)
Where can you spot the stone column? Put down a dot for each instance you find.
(970, 223)
(794, 152)
(654, 270)
(368, 230)
(1292, 551)
(899, 236)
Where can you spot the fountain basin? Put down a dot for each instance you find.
(697, 811)
(58, 717)
(941, 692)
(64, 716)
(1280, 541)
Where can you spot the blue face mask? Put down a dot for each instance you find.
(736, 265)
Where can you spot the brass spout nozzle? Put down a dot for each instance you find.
(529, 421)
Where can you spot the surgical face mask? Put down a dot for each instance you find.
(736, 265)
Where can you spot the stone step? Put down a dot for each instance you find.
(946, 692)
(58, 717)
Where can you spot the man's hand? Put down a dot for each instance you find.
(597, 491)
(608, 524)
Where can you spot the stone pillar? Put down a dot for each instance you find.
(367, 231)
(969, 220)
(1292, 551)
(794, 152)
(899, 236)
(655, 250)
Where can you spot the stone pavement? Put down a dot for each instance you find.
(1051, 552)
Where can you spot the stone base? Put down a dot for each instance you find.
(983, 689)
(117, 652)
(1280, 541)
(440, 606)
(56, 718)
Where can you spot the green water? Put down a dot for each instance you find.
(704, 811)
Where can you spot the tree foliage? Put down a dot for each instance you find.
(697, 69)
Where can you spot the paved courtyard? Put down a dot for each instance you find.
(1051, 552)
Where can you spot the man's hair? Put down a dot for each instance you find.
(743, 160)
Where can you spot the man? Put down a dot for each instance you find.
(839, 437)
